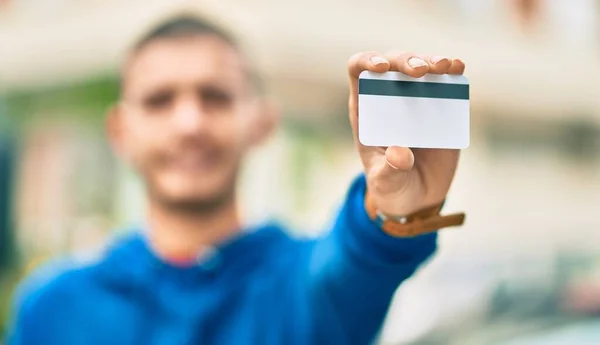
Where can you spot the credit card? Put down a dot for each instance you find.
(428, 112)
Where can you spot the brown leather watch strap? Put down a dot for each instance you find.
(421, 222)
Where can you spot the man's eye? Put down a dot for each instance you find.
(213, 97)
(158, 101)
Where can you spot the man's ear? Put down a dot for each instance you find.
(267, 119)
(114, 129)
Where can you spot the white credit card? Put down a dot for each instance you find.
(428, 112)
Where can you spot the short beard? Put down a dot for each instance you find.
(198, 206)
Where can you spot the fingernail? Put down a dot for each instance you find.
(416, 62)
(390, 164)
(377, 60)
(437, 59)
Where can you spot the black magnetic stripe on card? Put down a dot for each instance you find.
(404, 88)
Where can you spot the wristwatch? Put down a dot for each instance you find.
(421, 222)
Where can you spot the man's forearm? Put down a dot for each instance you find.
(356, 269)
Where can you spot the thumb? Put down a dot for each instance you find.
(392, 171)
(399, 159)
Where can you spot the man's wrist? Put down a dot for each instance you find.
(422, 221)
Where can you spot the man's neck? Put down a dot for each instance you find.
(180, 237)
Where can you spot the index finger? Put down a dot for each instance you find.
(367, 61)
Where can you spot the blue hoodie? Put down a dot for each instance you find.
(262, 287)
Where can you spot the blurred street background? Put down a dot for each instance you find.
(525, 269)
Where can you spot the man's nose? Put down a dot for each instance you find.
(189, 117)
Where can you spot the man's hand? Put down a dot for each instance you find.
(400, 180)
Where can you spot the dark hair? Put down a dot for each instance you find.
(182, 26)
(188, 26)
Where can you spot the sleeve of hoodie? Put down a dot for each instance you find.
(32, 321)
(354, 271)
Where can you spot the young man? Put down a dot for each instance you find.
(190, 109)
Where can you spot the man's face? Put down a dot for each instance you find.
(188, 115)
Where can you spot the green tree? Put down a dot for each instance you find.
(6, 230)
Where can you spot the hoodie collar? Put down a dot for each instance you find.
(131, 260)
